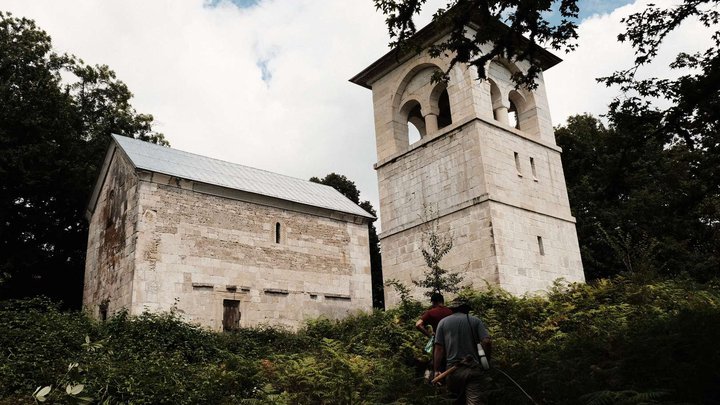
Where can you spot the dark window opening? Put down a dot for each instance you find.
(231, 315)
(277, 232)
(445, 118)
(541, 247)
(517, 164)
(532, 166)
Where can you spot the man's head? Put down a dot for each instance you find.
(460, 304)
(437, 299)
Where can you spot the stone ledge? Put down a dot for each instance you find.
(276, 291)
(341, 297)
(457, 127)
(458, 207)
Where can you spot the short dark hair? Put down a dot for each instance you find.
(437, 298)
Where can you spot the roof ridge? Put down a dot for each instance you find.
(222, 173)
(219, 160)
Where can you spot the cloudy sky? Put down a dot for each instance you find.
(264, 83)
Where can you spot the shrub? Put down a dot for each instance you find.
(619, 341)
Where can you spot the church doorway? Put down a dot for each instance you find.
(231, 315)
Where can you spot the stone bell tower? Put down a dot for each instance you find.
(486, 162)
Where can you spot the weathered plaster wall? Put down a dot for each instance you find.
(109, 264)
(196, 250)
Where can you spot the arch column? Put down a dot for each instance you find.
(431, 123)
(501, 114)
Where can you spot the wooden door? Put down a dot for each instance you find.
(231, 315)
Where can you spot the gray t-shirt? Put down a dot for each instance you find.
(455, 335)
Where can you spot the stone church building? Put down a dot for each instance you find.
(486, 163)
(233, 246)
(226, 245)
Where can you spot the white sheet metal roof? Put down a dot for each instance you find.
(173, 162)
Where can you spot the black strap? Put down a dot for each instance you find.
(475, 340)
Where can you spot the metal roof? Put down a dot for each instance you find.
(177, 163)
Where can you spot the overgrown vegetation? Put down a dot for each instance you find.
(611, 342)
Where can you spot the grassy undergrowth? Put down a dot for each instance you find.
(611, 342)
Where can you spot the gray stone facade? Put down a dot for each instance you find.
(158, 242)
(486, 163)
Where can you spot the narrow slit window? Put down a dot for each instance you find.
(532, 166)
(111, 212)
(277, 232)
(517, 164)
(541, 247)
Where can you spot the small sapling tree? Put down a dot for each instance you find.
(434, 247)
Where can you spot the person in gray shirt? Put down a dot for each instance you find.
(456, 341)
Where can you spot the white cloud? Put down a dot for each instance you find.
(571, 85)
(199, 71)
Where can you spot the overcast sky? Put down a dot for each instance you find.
(264, 83)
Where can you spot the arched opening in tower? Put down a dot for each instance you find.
(416, 124)
(445, 118)
(513, 116)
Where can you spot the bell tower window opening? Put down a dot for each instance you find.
(445, 117)
(496, 101)
(415, 122)
(277, 232)
(513, 116)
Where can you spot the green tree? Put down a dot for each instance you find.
(637, 200)
(648, 187)
(476, 48)
(689, 125)
(55, 123)
(348, 189)
(435, 246)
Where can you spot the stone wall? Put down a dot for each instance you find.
(196, 250)
(523, 265)
(472, 255)
(109, 264)
(496, 185)
(439, 174)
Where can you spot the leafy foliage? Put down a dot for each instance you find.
(620, 341)
(470, 46)
(56, 117)
(640, 201)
